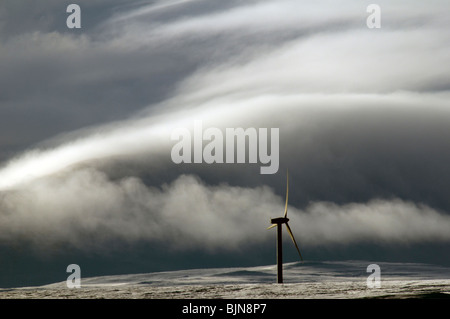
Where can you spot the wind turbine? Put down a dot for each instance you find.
(278, 222)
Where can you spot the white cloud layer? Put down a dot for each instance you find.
(88, 211)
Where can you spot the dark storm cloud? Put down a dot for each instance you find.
(348, 154)
(57, 80)
(128, 56)
(363, 117)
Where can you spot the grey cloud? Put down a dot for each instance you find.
(87, 211)
(55, 80)
(387, 222)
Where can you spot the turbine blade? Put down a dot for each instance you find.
(287, 193)
(271, 226)
(293, 239)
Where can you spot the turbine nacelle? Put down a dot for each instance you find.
(279, 220)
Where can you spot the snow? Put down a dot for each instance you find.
(332, 279)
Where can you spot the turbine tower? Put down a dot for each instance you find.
(278, 222)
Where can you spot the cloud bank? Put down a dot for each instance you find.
(87, 211)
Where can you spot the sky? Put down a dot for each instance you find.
(87, 115)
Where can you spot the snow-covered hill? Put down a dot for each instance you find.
(333, 279)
